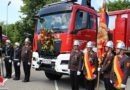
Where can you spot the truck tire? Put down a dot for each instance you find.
(52, 76)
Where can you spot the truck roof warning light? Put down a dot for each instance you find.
(86, 2)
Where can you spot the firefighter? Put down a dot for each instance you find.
(8, 58)
(75, 65)
(120, 69)
(17, 61)
(107, 65)
(90, 67)
(26, 56)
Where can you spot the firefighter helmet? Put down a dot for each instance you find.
(76, 42)
(121, 45)
(89, 44)
(17, 44)
(8, 41)
(110, 44)
(27, 40)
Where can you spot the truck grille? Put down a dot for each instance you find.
(47, 54)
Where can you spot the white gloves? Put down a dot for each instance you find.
(69, 71)
(123, 86)
(10, 61)
(95, 76)
(99, 69)
(111, 81)
(78, 73)
(18, 64)
(1, 49)
(29, 63)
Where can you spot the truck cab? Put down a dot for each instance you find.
(69, 21)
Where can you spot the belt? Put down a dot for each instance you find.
(16, 59)
(7, 56)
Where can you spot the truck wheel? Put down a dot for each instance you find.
(52, 76)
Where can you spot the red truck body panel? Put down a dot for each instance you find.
(121, 30)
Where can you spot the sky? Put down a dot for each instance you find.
(14, 8)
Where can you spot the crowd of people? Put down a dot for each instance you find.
(15, 55)
(114, 67)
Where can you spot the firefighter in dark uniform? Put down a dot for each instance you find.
(8, 58)
(17, 61)
(120, 69)
(107, 65)
(90, 67)
(75, 64)
(26, 56)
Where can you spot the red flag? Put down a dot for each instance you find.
(102, 33)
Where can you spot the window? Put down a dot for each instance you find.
(58, 22)
(84, 20)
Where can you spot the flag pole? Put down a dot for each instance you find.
(98, 79)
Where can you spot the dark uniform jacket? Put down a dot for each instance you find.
(9, 52)
(124, 63)
(76, 59)
(93, 61)
(17, 54)
(26, 54)
(107, 65)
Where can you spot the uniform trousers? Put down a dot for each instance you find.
(74, 80)
(90, 84)
(26, 68)
(8, 67)
(108, 85)
(17, 69)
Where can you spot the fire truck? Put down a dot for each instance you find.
(71, 21)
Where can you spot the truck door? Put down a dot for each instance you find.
(85, 26)
(120, 30)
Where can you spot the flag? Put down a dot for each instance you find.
(102, 36)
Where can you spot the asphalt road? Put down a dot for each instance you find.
(38, 81)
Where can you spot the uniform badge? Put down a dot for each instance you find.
(128, 64)
(26, 51)
(109, 62)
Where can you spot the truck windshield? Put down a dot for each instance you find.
(58, 22)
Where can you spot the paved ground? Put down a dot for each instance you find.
(38, 81)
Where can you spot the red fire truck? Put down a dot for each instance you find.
(71, 21)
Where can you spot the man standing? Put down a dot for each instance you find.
(90, 67)
(17, 60)
(107, 65)
(75, 65)
(8, 59)
(26, 56)
(121, 68)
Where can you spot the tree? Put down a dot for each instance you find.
(25, 27)
(31, 8)
(3, 27)
(117, 5)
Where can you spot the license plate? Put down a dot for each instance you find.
(46, 61)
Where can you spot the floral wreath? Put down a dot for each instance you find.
(47, 40)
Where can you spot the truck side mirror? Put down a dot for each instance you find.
(74, 32)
